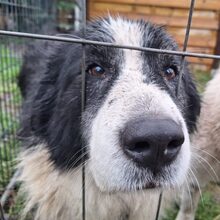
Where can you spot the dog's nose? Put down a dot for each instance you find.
(152, 143)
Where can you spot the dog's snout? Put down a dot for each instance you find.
(152, 143)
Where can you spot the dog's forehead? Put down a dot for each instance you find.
(124, 32)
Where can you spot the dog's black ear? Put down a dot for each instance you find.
(193, 101)
(56, 115)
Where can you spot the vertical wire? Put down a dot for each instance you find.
(2, 128)
(83, 97)
(14, 45)
(10, 104)
(189, 23)
(2, 217)
(4, 76)
(158, 206)
(10, 80)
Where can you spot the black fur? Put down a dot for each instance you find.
(50, 82)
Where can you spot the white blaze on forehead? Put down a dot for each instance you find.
(125, 32)
(129, 33)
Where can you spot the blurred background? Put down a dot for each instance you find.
(64, 16)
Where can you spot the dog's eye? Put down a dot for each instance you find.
(96, 71)
(170, 73)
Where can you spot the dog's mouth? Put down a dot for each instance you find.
(150, 185)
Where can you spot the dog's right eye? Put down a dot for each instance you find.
(97, 71)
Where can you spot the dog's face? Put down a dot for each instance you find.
(135, 128)
(136, 132)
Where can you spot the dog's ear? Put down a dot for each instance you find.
(56, 115)
(193, 101)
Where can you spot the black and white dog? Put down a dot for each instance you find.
(134, 129)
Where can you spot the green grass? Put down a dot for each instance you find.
(9, 106)
(201, 78)
(208, 209)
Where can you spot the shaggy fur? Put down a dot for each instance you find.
(59, 194)
(133, 85)
(206, 147)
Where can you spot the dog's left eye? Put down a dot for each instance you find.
(170, 73)
(96, 71)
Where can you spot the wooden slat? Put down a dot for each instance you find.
(197, 42)
(200, 60)
(163, 20)
(177, 12)
(112, 7)
(193, 32)
(200, 4)
(194, 49)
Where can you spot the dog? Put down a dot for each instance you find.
(206, 150)
(132, 137)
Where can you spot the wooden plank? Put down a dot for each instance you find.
(151, 10)
(197, 42)
(200, 23)
(197, 60)
(200, 4)
(194, 49)
(217, 49)
(112, 7)
(177, 12)
(193, 32)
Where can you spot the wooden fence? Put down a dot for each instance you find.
(172, 14)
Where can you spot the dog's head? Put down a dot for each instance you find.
(135, 129)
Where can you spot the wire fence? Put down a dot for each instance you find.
(27, 16)
(24, 20)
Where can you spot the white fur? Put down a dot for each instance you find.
(58, 195)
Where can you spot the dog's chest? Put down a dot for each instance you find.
(122, 206)
(62, 195)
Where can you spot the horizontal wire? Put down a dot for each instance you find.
(90, 42)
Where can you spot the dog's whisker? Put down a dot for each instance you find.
(197, 182)
(77, 160)
(204, 151)
(189, 193)
(212, 169)
(203, 165)
(81, 149)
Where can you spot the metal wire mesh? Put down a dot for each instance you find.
(28, 17)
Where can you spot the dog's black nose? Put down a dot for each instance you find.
(152, 143)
